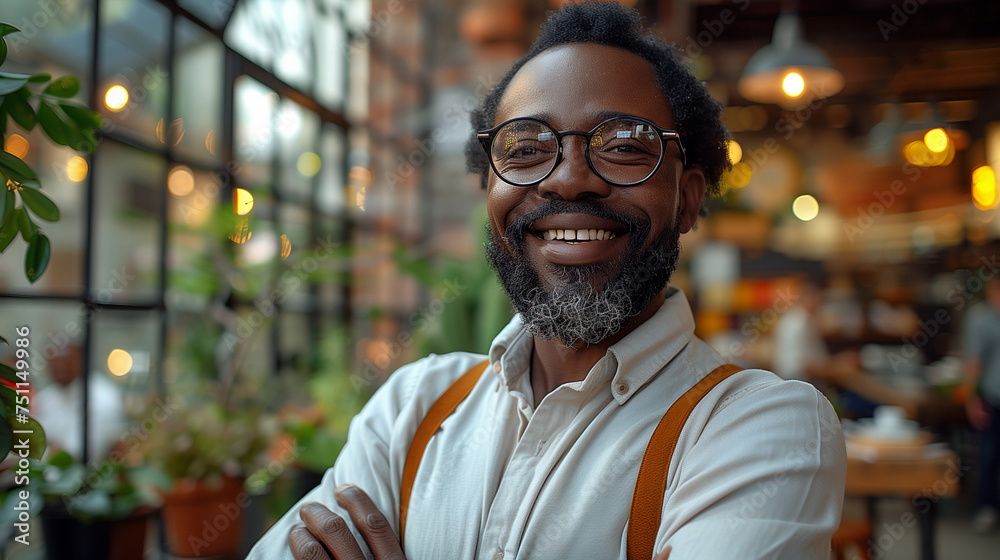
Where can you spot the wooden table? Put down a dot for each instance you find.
(922, 481)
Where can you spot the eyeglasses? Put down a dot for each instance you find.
(624, 151)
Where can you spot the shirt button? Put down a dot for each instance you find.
(498, 556)
(622, 388)
(496, 367)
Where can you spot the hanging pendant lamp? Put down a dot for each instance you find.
(790, 71)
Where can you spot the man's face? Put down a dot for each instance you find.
(587, 291)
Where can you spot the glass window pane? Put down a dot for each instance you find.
(133, 77)
(329, 198)
(295, 338)
(278, 35)
(127, 253)
(298, 134)
(63, 174)
(57, 41)
(199, 69)
(256, 106)
(126, 350)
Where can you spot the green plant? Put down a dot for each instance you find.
(114, 491)
(208, 441)
(320, 431)
(13, 408)
(64, 123)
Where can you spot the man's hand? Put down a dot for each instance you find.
(326, 535)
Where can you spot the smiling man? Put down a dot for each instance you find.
(598, 426)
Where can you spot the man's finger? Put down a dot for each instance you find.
(371, 522)
(305, 546)
(331, 530)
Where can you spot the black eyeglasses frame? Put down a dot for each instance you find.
(665, 135)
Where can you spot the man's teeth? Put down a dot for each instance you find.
(577, 234)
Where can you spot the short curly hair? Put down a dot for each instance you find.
(697, 116)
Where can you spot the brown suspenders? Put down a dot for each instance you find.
(647, 499)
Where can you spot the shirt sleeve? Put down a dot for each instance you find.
(370, 459)
(764, 479)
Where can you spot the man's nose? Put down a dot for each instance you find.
(573, 179)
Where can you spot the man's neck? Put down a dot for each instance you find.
(553, 363)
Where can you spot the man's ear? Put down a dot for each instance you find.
(692, 191)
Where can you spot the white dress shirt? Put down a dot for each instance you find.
(758, 471)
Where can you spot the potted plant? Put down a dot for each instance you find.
(206, 450)
(94, 514)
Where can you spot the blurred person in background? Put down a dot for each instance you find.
(981, 339)
(596, 150)
(57, 407)
(799, 349)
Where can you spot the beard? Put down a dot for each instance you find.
(588, 303)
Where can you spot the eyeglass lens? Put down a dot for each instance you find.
(621, 150)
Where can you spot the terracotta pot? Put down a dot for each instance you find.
(202, 519)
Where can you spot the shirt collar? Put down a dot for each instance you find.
(629, 364)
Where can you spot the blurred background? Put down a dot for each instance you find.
(276, 215)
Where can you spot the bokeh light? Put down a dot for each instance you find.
(735, 152)
(740, 176)
(242, 202)
(116, 98)
(984, 188)
(805, 207)
(308, 164)
(119, 362)
(16, 145)
(76, 169)
(793, 85)
(936, 140)
(180, 180)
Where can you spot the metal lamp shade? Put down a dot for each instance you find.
(788, 52)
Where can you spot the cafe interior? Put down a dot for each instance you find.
(266, 210)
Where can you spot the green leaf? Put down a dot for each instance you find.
(18, 108)
(37, 257)
(7, 29)
(6, 439)
(60, 128)
(8, 397)
(41, 205)
(12, 82)
(6, 202)
(36, 439)
(3, 50)
(62, 459)
(4, 340)
(27, 227)
(8, 373)
(84, 118)
(40, 78)
(67, 86)
(14, 168)
(8, 231)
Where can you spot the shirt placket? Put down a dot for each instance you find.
(530, 465)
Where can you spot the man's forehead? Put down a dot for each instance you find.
(581, 79)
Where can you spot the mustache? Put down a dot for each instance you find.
(637, 226)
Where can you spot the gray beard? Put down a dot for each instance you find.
(572, 310)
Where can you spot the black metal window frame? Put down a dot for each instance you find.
(235, 66)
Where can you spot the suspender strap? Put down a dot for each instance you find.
(647, 500)
(441, 409)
